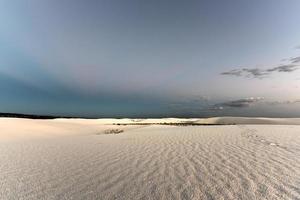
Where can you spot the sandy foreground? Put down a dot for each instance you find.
(257, 158)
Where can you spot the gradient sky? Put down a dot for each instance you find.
(138, 58)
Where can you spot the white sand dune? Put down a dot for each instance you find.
(249, 120)
(213, 120)
(73, 159)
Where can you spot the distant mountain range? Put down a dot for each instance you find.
(28, 116)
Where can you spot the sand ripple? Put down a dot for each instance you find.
(156, 162)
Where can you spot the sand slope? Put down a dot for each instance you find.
(250, 120)
(148, 162)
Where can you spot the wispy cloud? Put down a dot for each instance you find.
(243, 103)
(254, 72)
(234, 72)
(283, 102)
(260, 73)
(292, 65)
(295, 59)
(284, 68)
(240, 103)
(247, 72)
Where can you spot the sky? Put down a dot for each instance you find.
(158, 58)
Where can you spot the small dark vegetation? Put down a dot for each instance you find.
(113, 131)
(174, 124)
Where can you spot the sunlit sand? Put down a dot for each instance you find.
(251, 158)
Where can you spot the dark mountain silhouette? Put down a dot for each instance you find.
(28, 116)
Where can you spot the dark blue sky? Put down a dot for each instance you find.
(138, 58)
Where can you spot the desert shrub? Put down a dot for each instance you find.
(113, 131)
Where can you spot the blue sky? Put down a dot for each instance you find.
(138, 58)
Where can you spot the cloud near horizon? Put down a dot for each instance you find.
(283, 102)
(240, 103)
(295, 59)
(243, 103)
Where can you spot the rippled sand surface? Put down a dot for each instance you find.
(155, 162)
